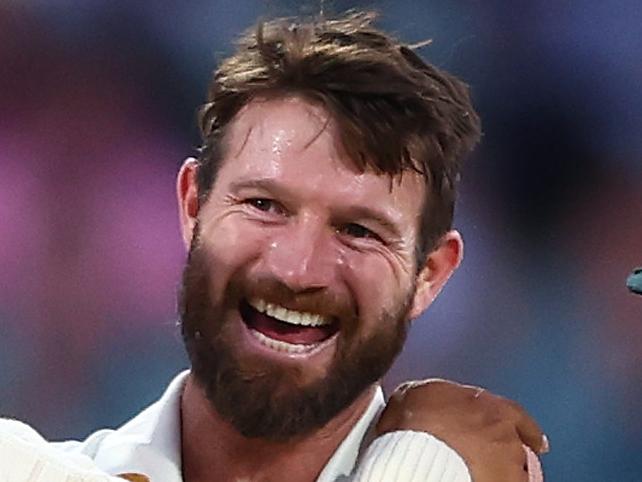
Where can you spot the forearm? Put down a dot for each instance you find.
(408, 456)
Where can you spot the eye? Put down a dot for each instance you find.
(358, 231)
(261, 204)
(266, 205)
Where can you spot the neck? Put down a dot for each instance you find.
(213, 450)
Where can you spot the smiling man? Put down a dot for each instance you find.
(302, 271)
(318, 219)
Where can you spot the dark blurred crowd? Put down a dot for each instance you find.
(97, 110)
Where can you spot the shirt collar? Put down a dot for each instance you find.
(150, 443)
(344, 458)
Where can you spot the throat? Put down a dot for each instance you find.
(213, 450)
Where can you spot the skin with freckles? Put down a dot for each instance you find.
(291, 220)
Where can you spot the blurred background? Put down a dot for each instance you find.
(97, 110)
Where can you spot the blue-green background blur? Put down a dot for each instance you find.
(97, 110)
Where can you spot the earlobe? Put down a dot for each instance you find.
(440, 264)
(187, 196)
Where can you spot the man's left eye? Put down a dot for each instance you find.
(358, 231)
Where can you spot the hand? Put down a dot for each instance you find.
(492, 434)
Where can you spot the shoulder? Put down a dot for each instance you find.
(153, 425)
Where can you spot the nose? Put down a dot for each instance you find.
(301, 256)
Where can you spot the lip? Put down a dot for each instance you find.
(320, 353)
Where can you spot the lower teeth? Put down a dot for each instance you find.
(281, 345)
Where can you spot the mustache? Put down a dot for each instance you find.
(322, 301)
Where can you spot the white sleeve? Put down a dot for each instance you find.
(409, 456)
(27, 457)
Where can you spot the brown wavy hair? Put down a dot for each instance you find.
(394, 111)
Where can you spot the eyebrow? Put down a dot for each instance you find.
(356, 212)
(265, 184)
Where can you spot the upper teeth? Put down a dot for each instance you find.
(289, 316)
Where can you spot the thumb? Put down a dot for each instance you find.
(534, 466)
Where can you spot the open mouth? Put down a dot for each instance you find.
(286, 330)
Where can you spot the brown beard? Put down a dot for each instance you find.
(267, 402)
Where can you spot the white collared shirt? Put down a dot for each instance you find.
(150, 444)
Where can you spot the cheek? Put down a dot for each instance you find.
(228, 250)
(378, 286)
(230, 235)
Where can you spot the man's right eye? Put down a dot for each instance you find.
(261, 204)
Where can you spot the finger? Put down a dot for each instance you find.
(528, 429)
(534, 466)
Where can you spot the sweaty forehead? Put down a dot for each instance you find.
(276, 125)
(290, 137)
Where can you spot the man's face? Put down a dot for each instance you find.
(301, 273)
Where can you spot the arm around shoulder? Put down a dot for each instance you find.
(410, 456)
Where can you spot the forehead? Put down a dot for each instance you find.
(292, 139)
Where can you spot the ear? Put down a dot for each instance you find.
(187, 195)
(440, 263)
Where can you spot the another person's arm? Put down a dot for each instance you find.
(438, 431)
(25, 456)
